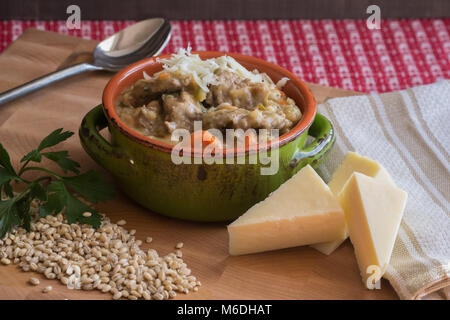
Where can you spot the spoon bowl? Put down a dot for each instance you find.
(136, 42)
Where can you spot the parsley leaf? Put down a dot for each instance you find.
(5, 178)
(91, 185)
(5, 161)
(38, 192)
(53, 205)
(74, 207)
(23, 209)
(54, 138)
(7, 189)
(33, 155)
(55, 192)
(62, 158)
(9, 216)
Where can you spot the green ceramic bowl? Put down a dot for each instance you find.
(145, 171)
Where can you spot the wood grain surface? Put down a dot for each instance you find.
(297, 273)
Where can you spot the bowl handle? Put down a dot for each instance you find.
(95, 145)
(324, 137)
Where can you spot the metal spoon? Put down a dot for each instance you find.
(140, 40)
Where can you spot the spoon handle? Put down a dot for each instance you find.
(45, 80)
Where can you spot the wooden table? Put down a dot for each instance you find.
(297, 273)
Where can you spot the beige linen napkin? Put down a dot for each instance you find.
(409, 133)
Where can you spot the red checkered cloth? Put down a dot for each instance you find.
(343, 53)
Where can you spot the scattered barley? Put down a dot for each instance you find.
(179, 245)
(47, 289)
(108, 259)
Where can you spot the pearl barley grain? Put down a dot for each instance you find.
(34, 281)
(47, 289)
(179, 245)
(121, 222)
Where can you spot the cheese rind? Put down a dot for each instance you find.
(373, 211)
(353, 162)
(301, 211)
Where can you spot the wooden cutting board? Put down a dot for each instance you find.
(297, 273)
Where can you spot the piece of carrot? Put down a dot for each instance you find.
(163, 75)
(205, 137)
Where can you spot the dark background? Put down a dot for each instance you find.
(221, 9)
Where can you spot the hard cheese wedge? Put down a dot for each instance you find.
(373, 211)
(301, 211)
(352, 162)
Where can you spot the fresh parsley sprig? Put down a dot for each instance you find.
(55, 192)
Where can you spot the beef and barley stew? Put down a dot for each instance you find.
(219, 92)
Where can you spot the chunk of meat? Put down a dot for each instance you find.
(145, 90)
(227, 81)
(181, 110)
(242, 93)
(224, 117)
(150, 118)
(230, 117)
